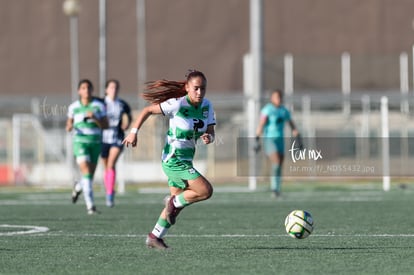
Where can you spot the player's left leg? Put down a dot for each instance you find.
(88, 172)
(110, 174)
(197, 189)
(276, 160)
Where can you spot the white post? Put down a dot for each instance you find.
(16, 147)
(250, 111)
(346, 81)
(385, 144)
(306, 115)
(413, 65)
(404, 82)
(141, 48)
(366, 106)
(363, 150)
(102, 47)
(256, 51)
(288, 78)
(74, 48)
(71, 8)
(288, 73)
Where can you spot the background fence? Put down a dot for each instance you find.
(34, 145)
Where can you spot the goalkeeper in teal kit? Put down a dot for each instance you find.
(273, 117)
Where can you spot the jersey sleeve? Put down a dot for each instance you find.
(211, 115)
(70, 113)
(170, 107)
(265, 111)
(101, 109)
(126, 108)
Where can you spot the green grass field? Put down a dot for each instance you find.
(359, 229)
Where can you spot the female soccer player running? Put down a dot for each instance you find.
(87, 116)
(112, 138)
(272, 122)
(191, 117)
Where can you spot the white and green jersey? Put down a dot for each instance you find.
(86, 130)
(187, 123)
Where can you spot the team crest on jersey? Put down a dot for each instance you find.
(205, 112)
(191, 171)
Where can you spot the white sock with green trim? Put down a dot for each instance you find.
(161, 228)
(179, 201)
(86, 183)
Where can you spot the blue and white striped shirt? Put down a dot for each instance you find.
(115, 110)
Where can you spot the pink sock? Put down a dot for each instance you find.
(109, 181)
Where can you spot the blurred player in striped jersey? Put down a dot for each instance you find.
(87, 117)
(119, 117)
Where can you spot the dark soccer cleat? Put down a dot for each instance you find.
(93, 211)
(75, 193)
(153, 242)
(275, 194)
(171, 211)
(110, 200)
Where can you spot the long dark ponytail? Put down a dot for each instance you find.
(161, 90)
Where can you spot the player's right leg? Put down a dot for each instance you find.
(155, 238)
(77, 186)
(110, 173)
(274, 151)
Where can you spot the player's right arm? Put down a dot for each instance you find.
(131, 138)
(262, 122)
(69, 120)
(69, 124)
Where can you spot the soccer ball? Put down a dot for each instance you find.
(299, 224)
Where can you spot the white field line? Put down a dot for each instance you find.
(219, 201)
(94, 235)
(28, 229)
(44, 231)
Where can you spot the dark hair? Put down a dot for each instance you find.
(161, 90)
(88, 82)
(278, 91)
(117, 84)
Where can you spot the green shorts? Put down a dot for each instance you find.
(88, 152)
(179, 172)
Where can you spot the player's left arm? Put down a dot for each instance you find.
(99, 117)
(292, 125)
(103, 122)
(69, 120)
(209, 136)
(126, 116)
(69, 124)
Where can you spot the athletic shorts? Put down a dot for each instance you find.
(107, 146)
(274, 145)
(179, 172)
(90, 151)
